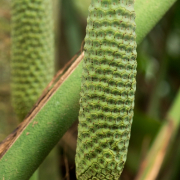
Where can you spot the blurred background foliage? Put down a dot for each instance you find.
(158, 80)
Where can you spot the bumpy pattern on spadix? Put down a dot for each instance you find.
(32, 52)
(107, 90)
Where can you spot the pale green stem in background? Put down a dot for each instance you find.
(35, 176)
(148, 13)
(152, 163)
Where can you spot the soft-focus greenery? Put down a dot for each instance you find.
(158, 81)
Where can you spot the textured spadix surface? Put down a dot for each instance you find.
(32, 52)
(107, 90)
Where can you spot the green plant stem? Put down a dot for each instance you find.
(154, 159)
(25, 149)
(35, 176)
(148, 13)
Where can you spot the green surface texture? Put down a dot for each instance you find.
(42, 134)
(59, 113)
(148, 13)
(32, 52)
(107, 90)
(35, 176)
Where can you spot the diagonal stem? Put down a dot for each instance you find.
(152, 163)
